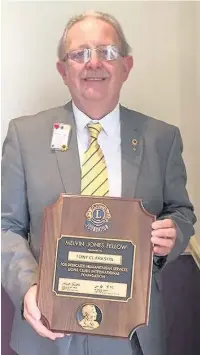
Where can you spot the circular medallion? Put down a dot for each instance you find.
(97, 218)
(89, 316)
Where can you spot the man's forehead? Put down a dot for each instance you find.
(91, 32)
(92, 23)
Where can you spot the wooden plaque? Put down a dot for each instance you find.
(95, 265)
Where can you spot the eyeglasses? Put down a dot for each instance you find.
(104, 53)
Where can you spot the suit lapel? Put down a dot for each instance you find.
(68, 162)
(132, 150)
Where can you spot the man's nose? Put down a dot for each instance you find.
(94, 61)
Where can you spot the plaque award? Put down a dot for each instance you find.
(95, 265)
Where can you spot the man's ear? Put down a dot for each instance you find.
(128, 65)
(61, 67)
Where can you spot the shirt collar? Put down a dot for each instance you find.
(110, 122)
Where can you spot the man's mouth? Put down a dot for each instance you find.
(94, 79)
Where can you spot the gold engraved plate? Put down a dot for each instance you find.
(94, 268)
(95, 258)
(93, 287)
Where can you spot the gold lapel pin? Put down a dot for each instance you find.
(64, 148)
(134, 143)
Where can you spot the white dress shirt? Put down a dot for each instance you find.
(109, 140)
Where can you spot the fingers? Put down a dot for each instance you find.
(33, 316)
(167, 233)
(163, 223)
(41, 329)
(162, 242)
(161, 251)
(162, 246)
(163, 236)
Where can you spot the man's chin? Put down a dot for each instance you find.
(95, 97)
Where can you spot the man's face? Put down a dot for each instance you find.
(95, 81)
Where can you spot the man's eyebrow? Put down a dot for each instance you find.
(82, 46)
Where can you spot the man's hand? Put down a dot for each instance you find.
(32, 315)
(163, 236)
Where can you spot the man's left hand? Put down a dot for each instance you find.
(163, 236)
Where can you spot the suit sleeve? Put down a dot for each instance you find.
(176, 201)
(19, 267)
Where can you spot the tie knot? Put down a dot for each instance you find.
(94, 130)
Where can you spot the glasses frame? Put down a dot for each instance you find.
(88, 53)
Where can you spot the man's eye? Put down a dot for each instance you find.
(77, 55)
(108, 53)
(103, 52)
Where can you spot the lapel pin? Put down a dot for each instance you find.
(64, 148)
(61, 136)
(134, 143)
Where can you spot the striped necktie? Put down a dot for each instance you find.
(94, 179)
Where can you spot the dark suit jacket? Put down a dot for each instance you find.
(33, 176)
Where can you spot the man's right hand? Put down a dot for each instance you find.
(33, 316)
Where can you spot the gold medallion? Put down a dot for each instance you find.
(89, 316)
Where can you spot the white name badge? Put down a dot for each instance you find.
(61, 136)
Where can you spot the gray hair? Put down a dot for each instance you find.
(125, 49)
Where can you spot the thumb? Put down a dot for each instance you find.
(30, 303)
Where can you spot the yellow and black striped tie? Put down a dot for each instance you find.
(94, 179)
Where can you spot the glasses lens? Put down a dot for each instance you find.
(107, 52)
(79, 56)
(102, 52)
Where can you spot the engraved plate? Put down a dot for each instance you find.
(92, 287)
(94, 268)
(95, 258)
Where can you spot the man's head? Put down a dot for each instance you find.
(94, 61)
(89, 312)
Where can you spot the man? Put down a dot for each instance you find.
(141, 157)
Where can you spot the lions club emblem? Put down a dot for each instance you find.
(97, 218)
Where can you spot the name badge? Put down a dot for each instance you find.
(61, 136)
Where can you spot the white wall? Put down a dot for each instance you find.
(30, 34)
(165, 37)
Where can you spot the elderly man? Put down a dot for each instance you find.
(94, 62)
